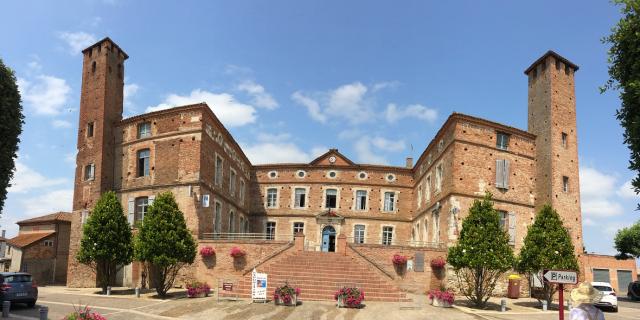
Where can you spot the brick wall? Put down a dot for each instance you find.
(595, 261)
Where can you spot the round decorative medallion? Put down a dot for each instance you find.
(332, 159)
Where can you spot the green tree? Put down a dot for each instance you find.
(106, 243)
(546, 246)
(627, 242)
(164, 242)
(624, 73)
(11, 120)
(482, 254)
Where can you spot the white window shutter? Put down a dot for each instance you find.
(150, 200)
(512, 228)
(132, 210)
(505, 181)
(499, 173)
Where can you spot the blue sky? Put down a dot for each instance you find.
(290, 79)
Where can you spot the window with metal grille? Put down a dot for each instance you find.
(142, 204)
(502, 141)
(271, 230)
(389, 201)
(272, 197)
(387, 236)
(298, 227)
(144, 130)
(358, 233)
(89, 172)
(361, 200)
(218, 176)
(300, 198)
(143, 162)
(331, 201)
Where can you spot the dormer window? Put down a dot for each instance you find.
(144, 130)
(502, 141)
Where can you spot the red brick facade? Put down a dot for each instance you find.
(411, 209)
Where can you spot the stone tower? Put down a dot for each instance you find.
(552, 118)
(101, 103)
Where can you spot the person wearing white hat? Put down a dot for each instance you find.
(584, 296)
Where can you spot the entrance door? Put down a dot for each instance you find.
(328, 239)
(624, 278)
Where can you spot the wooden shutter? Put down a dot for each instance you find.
(132, 210)
(419, 262)
(505, 171)
(512, 228)
(499, 173)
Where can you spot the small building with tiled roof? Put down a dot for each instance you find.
(41, 248)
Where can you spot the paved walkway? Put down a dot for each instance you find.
(62, 301)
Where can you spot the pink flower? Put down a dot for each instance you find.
(207, 251)
(237, 252)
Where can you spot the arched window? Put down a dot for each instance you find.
(231, 222)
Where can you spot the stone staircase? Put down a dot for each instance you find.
(320, 274)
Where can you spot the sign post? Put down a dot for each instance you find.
(560, 277)
(258, 286)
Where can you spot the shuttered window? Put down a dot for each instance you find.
(502, 174)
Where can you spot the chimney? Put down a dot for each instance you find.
(409, 163)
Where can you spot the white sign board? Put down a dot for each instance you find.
(258, 286)
(561, 276)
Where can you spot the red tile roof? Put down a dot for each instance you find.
(26, 239)
(58, 216)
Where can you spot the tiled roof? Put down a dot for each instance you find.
(58, 216)
(25, 239)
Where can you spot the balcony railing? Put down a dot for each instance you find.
(246, 236)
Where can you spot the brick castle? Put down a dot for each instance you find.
(364, 212)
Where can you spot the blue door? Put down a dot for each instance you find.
(328, 239)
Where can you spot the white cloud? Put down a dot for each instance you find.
(596, 193)
(394, 113)
(47, 95)
(57, 200)
(278, 148)
(61, 124)
(313, 107)
(268, 137)
(229, 111)
(588, 222)
(348, 101)
(128, 91)
(261, 98)
(77, 41)
(626, 191)
(26, 179)
(365, 154)
(388, 145)
(34, 66)
(384, 85)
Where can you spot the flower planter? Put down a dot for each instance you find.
(292, 303)
(349, 297)
(198, 290)
(286, 295)
(441, 298)
(437, 302)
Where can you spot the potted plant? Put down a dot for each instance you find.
(198, 289)
(286, 295)
(237, 253)
(84, 314)
(441, 298)
(349, 297)
(207, 252)
(438, 263)
(399, 260)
